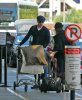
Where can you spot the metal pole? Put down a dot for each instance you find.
(5, 67)
(72, 95)
(0, 63)
(63, 10)
(50, 9)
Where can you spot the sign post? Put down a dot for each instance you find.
(3, 45)
(72, 69)
(72, 66)
(72, 60)
(0, 64)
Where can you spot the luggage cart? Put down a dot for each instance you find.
(25, 82)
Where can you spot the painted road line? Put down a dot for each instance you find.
(78, 98)
(18, 95)
(23, 98)
(77, 94)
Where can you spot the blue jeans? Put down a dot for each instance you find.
(45, 70)
(45, 67)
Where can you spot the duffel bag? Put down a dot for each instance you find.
(51, 84)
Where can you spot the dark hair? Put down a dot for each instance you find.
(8, 33)
(58, 25)
(40, 18)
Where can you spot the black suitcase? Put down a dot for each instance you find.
(51, 84)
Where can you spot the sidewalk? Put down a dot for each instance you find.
(7, 93)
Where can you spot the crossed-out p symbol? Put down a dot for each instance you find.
(74, 30)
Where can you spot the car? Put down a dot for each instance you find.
(9, 43)
(65, 24)
(13, 54)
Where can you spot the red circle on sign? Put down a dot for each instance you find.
(72, 32)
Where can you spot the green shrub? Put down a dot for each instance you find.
(74, 16)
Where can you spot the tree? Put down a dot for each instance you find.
(73, 15)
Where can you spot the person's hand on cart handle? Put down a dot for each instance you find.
(52, 55)
(18, 47)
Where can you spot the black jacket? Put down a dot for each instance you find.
(60, 41)
(40, 37)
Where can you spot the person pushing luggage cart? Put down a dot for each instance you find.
(41, 36)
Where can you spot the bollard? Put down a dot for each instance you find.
(5, 67)
(72, 95)
(0, 64)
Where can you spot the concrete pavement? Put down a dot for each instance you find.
(7, 93)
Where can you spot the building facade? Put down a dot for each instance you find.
(52, 8)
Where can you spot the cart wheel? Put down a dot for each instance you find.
(41, 91)
(58, 91)
(62, 88)
(26, 87)
(45, 91)
(14, 85)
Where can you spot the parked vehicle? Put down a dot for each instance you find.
(11, 10)
(9, 43)
(12, 59)
(65, 24)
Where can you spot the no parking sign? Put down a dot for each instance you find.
(73, 32)
(72, 66)
(72, 57)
